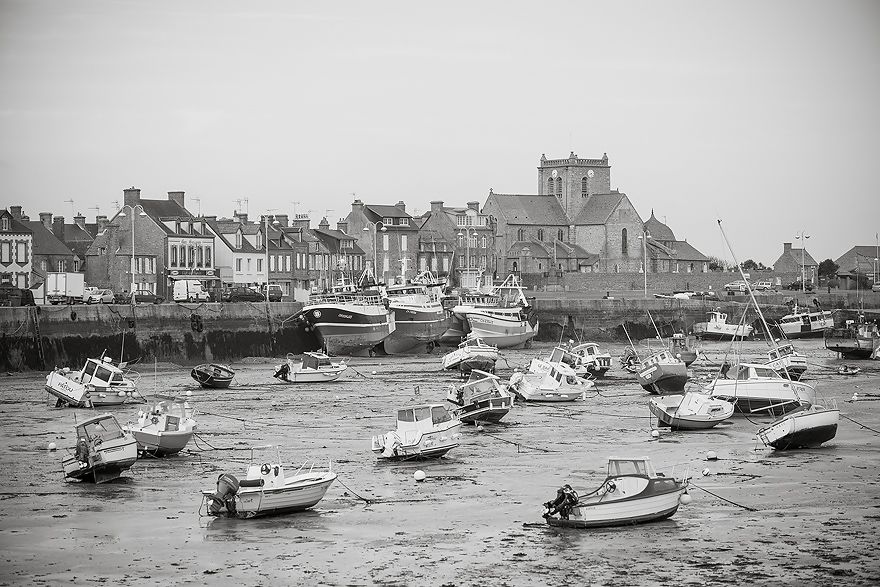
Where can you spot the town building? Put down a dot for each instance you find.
(51, 254)
(797, 261)
(389, 237)
(16, 250)
(79, 235)
(864, 259)
(458, 243)
(666, 254)
(340, 253)
(236, 257)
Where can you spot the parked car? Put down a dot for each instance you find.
(101, 296)
(275, 292)
(875, 287)
(705, 295)
(189, 290)
(798, 285)
(763, 285)
(242, 294)
(735, 286)
(89, 291)
(141, 296)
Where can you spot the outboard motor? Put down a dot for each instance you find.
(227, 487)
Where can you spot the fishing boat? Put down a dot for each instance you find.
(268, 490)
(758, 389)
(802, 323)
(848, 370)
(472, 353)
(858, 339)
(807, 426)
(549, 383)
(630, 360)
(632, 493)
(166, 428)
(786, 361)
(103, 451)
(419, 316)
(511, 323)
(597, 362)
(98, 384)
(213, 375)
(348, 320)
(682, 348)
(661, 373)
(482, 399)
(717, 328)
(690, 411)
(423, 431)
(311, 367)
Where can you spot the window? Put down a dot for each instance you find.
(76, 265)
(173, 256)
(446, 264)
(287, 262)
(472, 241)
(6, 223)
(584, 187)
(201, 257)
(238, 240)
(192, 256)
(521, 234)
(21, 253)
(549, 188)
(384, 242)
(559, 186)
(423, 264)
(238, 265)
(43, 265)
(482, 260)
(259, 265)
(624, 245)
(207, 256)
(248, 265)
(61, 265)
(272, 263)
(541, 234)
(403, 221)
(388, 221)
(385, 265)
(403, 242)
(560, 235)
(483, 242)
(461, 261)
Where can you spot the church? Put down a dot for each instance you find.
(577, 222)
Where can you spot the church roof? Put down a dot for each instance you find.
(658, 230)
(598, 208)
(530, 209)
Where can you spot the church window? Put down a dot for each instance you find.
(560, 235)
(558, 186)
(521, 234)
(550, 186)
(540, 234)
(483, 242)
(584, 188)
(515, 267)
(624, 245)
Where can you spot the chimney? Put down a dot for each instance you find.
(15, 211)
(401, 206)
(132, 196)
(357, 204)
(211, 218)
(324, 224)
(102, 222)
(436, 206)
(786, 247)
(80, 221)
(46, 219)
(240, 217)
(301, 221)
(58, 227)
(342, 225)
(283, 220)
(177, 197)
(474, 206)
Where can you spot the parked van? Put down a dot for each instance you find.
(274, 293)
(189, 290)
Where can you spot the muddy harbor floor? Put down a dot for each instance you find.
(475, 520)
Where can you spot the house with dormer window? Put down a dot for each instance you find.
(238, 261)
(388, 235)
(16, 251)
(458, 243)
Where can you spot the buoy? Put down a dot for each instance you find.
(336, 397)
(274, 403)
(706, 472)
(189, 392)
(121, 393)
(655, 433)
(711, 456)
(855, 397)
(374, 373)
(419, 475)
(52, 446)
(685, 498)
(480, 428)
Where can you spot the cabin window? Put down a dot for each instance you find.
(743, 373)
(422, 413)
(760, 372)
(103, 374)
(405, 416)
(104, 429)
(627, 468)
(439, 414)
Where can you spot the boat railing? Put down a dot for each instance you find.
(331, 298)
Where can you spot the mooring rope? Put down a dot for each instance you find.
(519, 444)
(860, 424)
(745, 507)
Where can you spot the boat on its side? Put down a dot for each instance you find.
(786, 361)
(213, 375)
(423, 431)
(632, 493)
(312, 367)
(802, 324)
(717, 328)
(100, 383)
(103, 451)
(758, 389)
(858, 339)
(682, 348)
(166, 428)
(597, 362)
(661, 373)
(805, 427)
(690, 411)
(482, 399)
(848, 370)
(549, 382)
(472, 353)
(267, 489)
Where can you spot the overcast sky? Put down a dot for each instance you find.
(765, 114)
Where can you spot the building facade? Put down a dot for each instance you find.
(16, 251)
(796, 261)
(458, 243)
(389, 237)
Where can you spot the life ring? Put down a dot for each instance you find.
(265, 469)
(154, 420)
(610, 487)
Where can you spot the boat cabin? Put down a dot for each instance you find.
(631, 466)
(661, 356)
(748, 371)
(104, 427)
(471, 340)
(479, 386)
(555, 376)
(717, 317)
(782, 350)
(311, 360)
(421, 418)
(101, 373)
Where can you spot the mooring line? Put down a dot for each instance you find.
(860, 424)
(745, 507)
(519, 444)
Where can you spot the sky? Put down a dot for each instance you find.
(762, 114)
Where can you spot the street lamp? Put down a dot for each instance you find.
(467, 258)
(644, 238)
(375, 225)
(266, 244)
(123, 214)
(803, 238)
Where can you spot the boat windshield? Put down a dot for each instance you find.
(406, 416)
(107, 429)
(94, 370)
(627, 467)
(440, 414)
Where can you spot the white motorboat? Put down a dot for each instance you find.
(801, 323)
(103, 451)
(661, 373)
(805, 427)
(690, 411)
(423, 431)
(511, 323)
(482, 399)
(717, 328)
(758, 389)
(166, 428)
(549, 382)
(597, 362)
(632, 493)
(472, 353)
(268, 490)
(682, 348)
(312, 367)
(98, 384)
(786, 361)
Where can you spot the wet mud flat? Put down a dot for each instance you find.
(475, 520)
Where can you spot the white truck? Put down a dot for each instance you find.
(189, 290)
(65, 288)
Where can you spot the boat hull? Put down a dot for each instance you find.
(623, 512)
(213, 376)
(296, 495)
(775, 398)
(416, 329)
(807, 429)
(663, 378)
(161, 444)
(667, 414)
(114, 460)
(490, 410)
(711, 332)
(429, 445)
(348, 330)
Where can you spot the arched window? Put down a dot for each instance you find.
(520, 234)
(540, 234)
(558, 186)
(584, 188)
(515, 267)
(483, 242)
(624, 245)
(549, 189)
(560, 235)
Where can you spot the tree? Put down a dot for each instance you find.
(717, 264)
(828, 268)
(749, 265)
